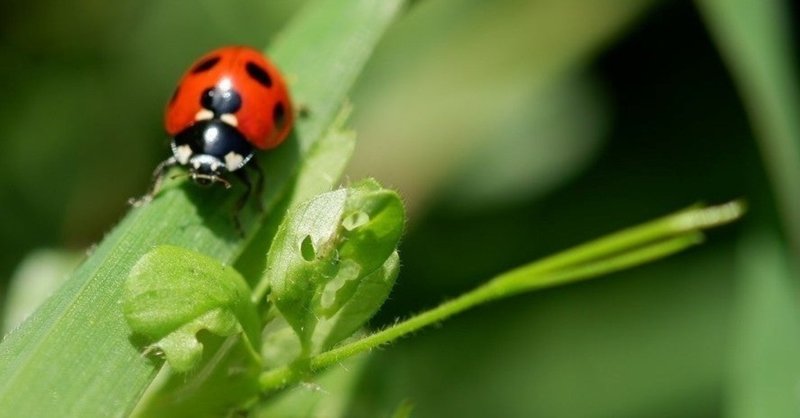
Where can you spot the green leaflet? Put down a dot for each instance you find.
(333, 262)
(173, 293)
(361, 304)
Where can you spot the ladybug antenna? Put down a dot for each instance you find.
(203, 179)
(207, 179)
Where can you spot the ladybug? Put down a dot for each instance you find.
(229, 103)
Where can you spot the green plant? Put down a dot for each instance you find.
(331, 265)
(82, 330)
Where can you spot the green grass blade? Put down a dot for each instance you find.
(74, 356)
(755, 39)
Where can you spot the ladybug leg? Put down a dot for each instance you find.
(257, 187)
(259, 183)
(157, 180)
(237, 209)
(250, 187)
(158, 175)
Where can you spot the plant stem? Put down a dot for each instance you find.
(625, 249)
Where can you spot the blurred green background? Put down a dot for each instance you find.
(513, 129)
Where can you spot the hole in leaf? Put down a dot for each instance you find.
(307, 249)
(354, 220)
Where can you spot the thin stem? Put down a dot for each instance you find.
(691, 219)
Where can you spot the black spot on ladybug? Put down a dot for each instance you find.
(279, 115)
(174, 95)
(258, 73)
(221, 101)
(206, 64)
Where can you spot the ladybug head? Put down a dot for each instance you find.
(206, 170)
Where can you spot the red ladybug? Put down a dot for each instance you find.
(229, 103)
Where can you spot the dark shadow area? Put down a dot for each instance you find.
(217, 206)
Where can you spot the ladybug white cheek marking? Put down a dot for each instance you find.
(230, 119)
(183, 153)
(204, 114)
(233, 161)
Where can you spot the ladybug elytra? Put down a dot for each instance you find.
(230, 103)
